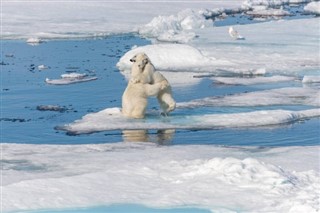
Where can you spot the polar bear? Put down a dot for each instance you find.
(143, 71)
(135, 98)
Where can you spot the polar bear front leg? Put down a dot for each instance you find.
(154, 89)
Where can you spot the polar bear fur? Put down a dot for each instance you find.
(143, 71)
(135, 98)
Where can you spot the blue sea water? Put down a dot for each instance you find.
(24, 89)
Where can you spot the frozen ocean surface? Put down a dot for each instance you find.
(246, 125)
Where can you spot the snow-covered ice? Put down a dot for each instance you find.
(71, 78)
(283, 96)
(173, 57)
(313, 7)
(205, 176)
(260, 179)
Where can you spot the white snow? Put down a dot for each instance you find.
(271, 3)
(112, 119)
(173, 57)
(64, 176)
(81, 19)
(313, 7)
(276, 46)
(175, 28)
(283, 96)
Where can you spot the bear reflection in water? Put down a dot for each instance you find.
(163, 136)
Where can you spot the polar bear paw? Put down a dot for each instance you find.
(134, 80)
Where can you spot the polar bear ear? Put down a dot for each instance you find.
(133, 59)
(145, 61)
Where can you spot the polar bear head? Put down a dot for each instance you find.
(141, 59)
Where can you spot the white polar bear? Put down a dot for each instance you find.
(143, 71)
(135, 98)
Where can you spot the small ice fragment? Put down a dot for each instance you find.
(34, 41)
(55, 108)
(9, 55)
(42, 67)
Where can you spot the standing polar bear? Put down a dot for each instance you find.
(135, 98)
(143, 71)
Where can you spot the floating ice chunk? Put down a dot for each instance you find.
(311, 79)
(313, 7)
(234, 34)
(112, 119)
(42, 67)
(174, 57)
(252, 80)
(34, 41)
(9, 55)
(55, 108)
(282, 96)
(70, 78)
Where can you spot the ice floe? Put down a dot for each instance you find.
(112, 119)
(282, 96)
(71, 78)
(65, 176)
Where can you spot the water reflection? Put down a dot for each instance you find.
(163, 136)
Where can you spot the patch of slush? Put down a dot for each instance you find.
(260, 179)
